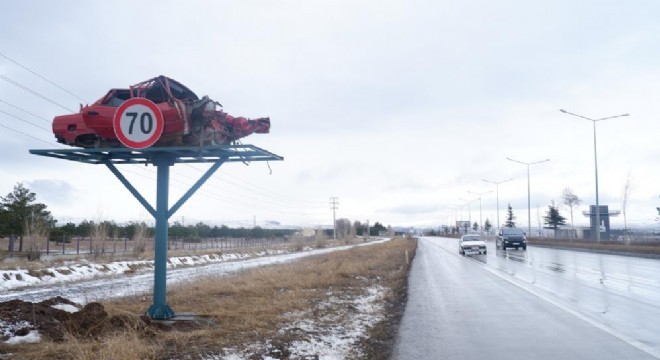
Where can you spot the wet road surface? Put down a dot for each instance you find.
(536, 304)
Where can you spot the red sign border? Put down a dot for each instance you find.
(160, 123)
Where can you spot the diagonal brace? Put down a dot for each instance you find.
(195, 187)
(130, 188)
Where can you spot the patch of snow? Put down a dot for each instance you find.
(7, 331)
(32, 337)
(334, 336)
(66, 307)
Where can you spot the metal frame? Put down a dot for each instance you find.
(162, 158)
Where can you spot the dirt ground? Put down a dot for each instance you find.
(53, 324)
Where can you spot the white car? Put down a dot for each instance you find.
(471, 244)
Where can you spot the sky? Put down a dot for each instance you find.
(400, 109)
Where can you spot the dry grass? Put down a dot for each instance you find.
(249, 307)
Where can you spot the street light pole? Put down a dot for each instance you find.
(594, 121)
(469, 211)
(529, 213)
(481, 224)
(497, 195)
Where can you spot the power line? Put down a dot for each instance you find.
(268, 193)
(27, 112)
(43, 78)
(26, 121)
(35, 93)
(28, 135)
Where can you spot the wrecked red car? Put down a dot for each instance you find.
(189, 120)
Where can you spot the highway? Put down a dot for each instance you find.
(536, 304)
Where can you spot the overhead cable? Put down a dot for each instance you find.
(43, 78)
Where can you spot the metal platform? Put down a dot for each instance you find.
(162, 158)
(194, 154)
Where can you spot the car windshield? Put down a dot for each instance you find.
(512, 232)
(471, 238)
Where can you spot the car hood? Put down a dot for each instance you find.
(514, 237)
(473, 243)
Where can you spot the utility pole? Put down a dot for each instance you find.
(334, 202)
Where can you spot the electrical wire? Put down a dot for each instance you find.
(43, 78)
(28, 135)
(35, 93)
(27, 112)
(26, 121)
(269, 193)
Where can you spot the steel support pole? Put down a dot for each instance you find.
(159, 309)
(529, 212)
(597, 202)
(497, 201)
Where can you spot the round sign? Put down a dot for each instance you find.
(138, 123)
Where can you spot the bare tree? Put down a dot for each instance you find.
(570, 200)
(627, 188)
(343, 227)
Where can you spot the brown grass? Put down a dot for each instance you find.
(247, 308)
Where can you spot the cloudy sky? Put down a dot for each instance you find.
(398, 108)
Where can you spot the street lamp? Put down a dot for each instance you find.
(594, 121)
(497, 194)
(529, 214)
(481, 224)
(469, 210)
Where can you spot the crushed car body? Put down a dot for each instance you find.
(189, 120)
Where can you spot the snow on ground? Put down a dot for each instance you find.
(32, 337)
(8, 331)
(332, 336)
(66, 307)
(13, 279)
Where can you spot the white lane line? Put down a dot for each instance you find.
(502, 274)
(527, 287)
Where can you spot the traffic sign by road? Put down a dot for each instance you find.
(138, 123)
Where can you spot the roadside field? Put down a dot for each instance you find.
(344, 304)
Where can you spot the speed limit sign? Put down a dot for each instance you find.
(138, 123)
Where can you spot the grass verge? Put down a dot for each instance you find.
(280, 311)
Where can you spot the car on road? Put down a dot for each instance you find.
(471, 244)
(511, 238)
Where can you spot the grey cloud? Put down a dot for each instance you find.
(52, 191)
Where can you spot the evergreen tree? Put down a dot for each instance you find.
(475, 226)
(553, 218)
(19, 207)
(487, 225)
(510, 217)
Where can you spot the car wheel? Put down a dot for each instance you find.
(485, 252)
(524, 248)
(503, 247)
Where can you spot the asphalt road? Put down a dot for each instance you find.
(539, 304)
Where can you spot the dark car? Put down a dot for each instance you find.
(189, 120)
(511, 238)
